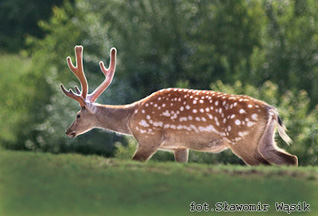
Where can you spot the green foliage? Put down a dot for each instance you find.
(12, 68)
(19, 19)
(48, 112)
(163, 43)
(289, 46)
(125, 152)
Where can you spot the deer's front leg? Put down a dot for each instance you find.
(181, 155)
(145, 151)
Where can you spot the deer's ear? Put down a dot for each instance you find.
(91, 107)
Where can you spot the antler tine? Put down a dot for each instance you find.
(77, 90)
(78, 70)
(109, 74)
(74, 96)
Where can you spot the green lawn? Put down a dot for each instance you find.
(70, 184)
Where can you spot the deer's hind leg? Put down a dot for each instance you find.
(248, 152)
(270, 151)
(246, 148)
(181, 155)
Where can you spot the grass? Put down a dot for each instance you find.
(70, 184)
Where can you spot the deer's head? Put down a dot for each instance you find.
(86, 118)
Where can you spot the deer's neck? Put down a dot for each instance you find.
(115, 118)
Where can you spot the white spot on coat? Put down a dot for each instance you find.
(244, 133)
(183, 119)
(250, 124)
(237, 122)
(242, 111)
(166, 113)
(254, 116)
(143, 123)
(210, 116)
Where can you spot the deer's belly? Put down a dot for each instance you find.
(209, 143)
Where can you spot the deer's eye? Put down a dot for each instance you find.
(78, 116)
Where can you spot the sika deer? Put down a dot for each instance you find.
(182, 119)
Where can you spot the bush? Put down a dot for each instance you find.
(169, 43)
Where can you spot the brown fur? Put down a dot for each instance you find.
(166, 120)
(182, 119)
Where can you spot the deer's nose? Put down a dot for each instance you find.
(70, 133)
